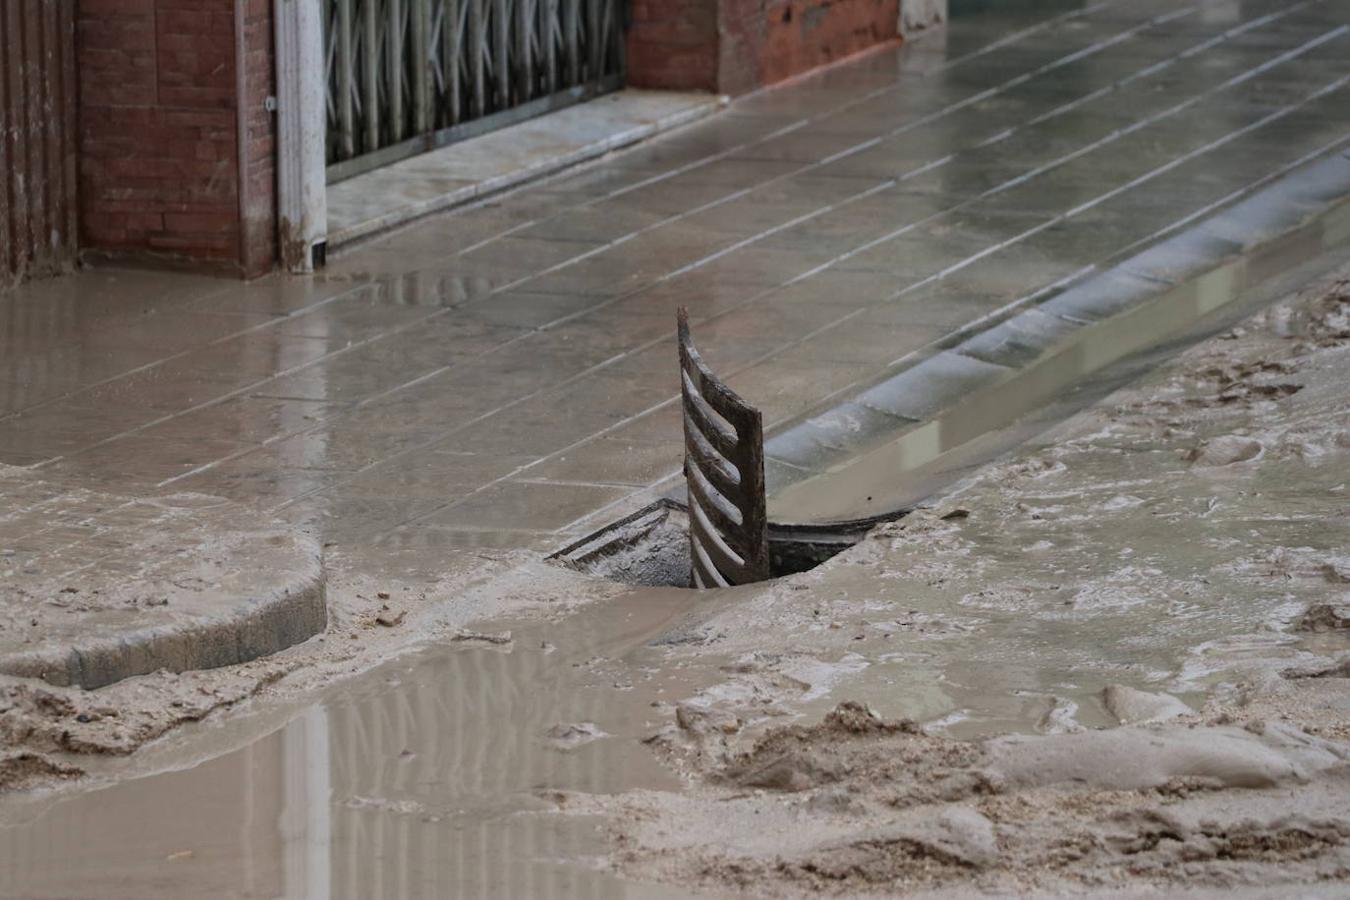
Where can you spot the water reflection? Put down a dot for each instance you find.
(422, 779)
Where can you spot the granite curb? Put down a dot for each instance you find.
(986, 380)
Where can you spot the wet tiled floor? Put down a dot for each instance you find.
(493, 377)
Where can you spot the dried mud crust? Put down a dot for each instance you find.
(23, 770)
(1205, 509)
(52, 723)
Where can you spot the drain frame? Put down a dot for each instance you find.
(648, 547)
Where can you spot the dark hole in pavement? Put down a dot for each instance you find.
(651, 547)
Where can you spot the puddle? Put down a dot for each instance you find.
(1121, 555)
(421, 778)
(438, 774)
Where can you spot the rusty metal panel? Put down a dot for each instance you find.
(37, 138)
(724, 471)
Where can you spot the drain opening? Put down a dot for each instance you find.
(651, 547)
(723, 536)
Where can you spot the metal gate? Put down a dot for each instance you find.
(37, 138)
(407, 76)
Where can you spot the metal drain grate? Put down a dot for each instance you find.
(724, 471)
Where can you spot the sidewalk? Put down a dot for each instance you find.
(504, 377)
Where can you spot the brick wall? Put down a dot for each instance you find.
(160, 130)
(673, 45)
(734, 46)
(800, 35)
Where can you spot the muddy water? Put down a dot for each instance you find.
(1166, 539)
(420, 779)
(1159, 541)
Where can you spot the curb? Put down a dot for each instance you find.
(987, 381)
(440, 165)
(270, 595)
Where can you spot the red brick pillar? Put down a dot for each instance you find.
(673, 45)
(175, 152)
(734, 46)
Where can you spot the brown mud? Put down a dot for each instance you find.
(1155, 597)
(69, 731)
(862, 806)
(1114, 571)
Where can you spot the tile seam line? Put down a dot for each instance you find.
(1238, 79)
(968, 331)
(1181, 223)
(920, 122)
(655, 342)
(1016, 80)
(1006, 40)
(1007, 133)
(1160, 66)
(1019, 79)
(946, 342)
(1110, 138)
(246, 390)
(270, 323)
(1080, 152)
(1060, 218)
(1169, 166)
(474, 194)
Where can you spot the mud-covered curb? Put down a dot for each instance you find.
(190, 582)
(1113, 662)
(259, 626)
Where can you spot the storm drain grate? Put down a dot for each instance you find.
(724, 470)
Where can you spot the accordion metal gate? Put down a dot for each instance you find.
(408, 76)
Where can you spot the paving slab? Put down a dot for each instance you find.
(503, 375)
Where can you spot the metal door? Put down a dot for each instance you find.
(407, 76)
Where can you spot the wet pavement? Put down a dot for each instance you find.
(393, 195)
(504, 377)
(482, 767)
